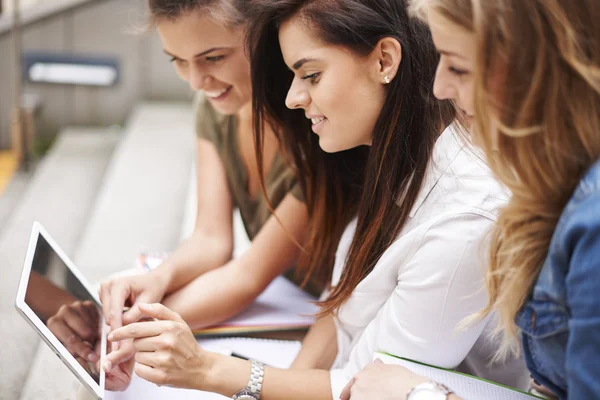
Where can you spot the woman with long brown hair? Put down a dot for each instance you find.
(201, 280)
(528, 74)
(386, 176)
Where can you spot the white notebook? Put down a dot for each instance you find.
(466, 386)
(277, 353)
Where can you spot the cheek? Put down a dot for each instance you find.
(182, 72)
(467, 94)
(353, 108)
(235, 71)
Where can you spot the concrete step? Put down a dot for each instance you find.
(139, 207)
(11, 196)
(60, 196)
(141, 204)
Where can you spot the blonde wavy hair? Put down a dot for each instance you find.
(537, 96)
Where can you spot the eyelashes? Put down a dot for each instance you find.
(458, 72)
(213, 59)
(312, 77)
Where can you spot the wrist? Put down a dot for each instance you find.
(163, 275)
(224, 375)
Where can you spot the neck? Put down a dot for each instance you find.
(244, 115)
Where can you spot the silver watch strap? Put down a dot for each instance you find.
(257, 375)
(254, 387)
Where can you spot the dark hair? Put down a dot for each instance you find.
(234, 12)
(380, 184)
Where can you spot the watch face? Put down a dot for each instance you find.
(245, 395)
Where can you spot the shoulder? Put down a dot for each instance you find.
(459, 181)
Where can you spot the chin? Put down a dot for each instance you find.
(226, 109)
(331, 146)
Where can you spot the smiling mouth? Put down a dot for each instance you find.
(217, 95)
(317, 123)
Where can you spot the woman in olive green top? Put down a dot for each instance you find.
(199, 280)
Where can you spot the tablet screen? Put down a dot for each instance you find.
(65, 306)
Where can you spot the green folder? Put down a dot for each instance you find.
(466, 386)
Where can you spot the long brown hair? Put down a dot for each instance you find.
(363, 182)
(538, 121)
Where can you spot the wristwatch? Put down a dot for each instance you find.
(429, 391)
(252, 390)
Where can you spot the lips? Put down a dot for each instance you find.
(216, 94)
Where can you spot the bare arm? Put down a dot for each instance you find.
(319, 347)
(224, 292)
(211, 244)
(228, 375)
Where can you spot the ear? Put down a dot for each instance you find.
(388, 55)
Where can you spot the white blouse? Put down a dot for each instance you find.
(430, 278)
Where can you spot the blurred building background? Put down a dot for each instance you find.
(95, 28)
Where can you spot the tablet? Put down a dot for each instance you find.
(61, 306)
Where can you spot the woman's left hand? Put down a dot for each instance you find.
(166, 351)
(382, 382)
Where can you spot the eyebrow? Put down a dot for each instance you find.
(199, 54)
(301, 62)
(450, 54)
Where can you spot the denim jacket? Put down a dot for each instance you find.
(560, 322)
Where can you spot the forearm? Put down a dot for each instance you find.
(229, 375)
(319, 347)
(193, 257)
(213, 297)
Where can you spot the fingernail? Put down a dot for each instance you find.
(93, 357)
(110, 337)
(107, 366)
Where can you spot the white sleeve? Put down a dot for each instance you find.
(437, 287)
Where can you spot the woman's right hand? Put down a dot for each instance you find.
(118, 293)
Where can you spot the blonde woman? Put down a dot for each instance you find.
(527, 75)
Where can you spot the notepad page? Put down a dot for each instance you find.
(276, 353)
(468, 388)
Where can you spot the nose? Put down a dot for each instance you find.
(197, 79)
(297, 97)
(443, 89)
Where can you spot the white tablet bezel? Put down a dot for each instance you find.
(50, 339)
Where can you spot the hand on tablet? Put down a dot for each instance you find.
(119, 293)
(166, 350)
(119, 377)
(76, 325)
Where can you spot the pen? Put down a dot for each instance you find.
(237, 355)
(229, 352)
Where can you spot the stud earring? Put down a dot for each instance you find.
(386, 79)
